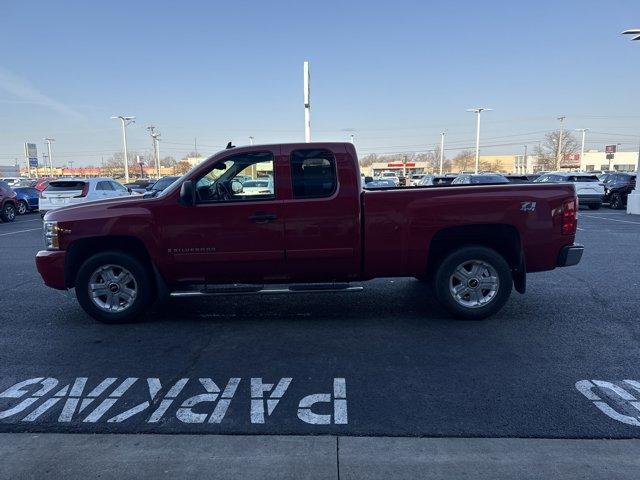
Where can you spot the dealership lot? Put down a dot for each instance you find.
(386, 361)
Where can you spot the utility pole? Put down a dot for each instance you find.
(307, 103)
(195, 146)
(478, 111)
(155, 138)
(49, 140)
(250, 140)
(559, 154)
(524, 160)
(442, 150)
(584, 132)
(125, 121)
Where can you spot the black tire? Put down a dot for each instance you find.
(615, 201)
(8, 213)
(595, 206)
(23, 207)
(462, 256)
(141, 275)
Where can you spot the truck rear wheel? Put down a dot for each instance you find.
(473, 282)
(114, 287)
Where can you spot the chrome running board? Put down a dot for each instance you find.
(219, 290)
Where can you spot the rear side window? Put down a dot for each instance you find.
(65, 186)
(102, 186)
(313, 173)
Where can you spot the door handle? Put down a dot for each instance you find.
(262, 217)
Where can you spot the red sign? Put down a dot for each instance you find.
(610, 149)
(411, 164)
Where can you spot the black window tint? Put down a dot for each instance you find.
(313, 173)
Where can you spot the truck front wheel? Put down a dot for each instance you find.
(473, 282)
(114, 287)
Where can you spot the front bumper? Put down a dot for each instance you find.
(50, 264)
(570, 255)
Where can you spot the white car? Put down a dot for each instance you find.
(62, 193)
(390, 176)
(588, 187)
(258, 187)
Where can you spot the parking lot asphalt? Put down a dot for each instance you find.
(557, 362)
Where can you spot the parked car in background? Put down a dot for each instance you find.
(25, 182)
(62, 193)
(617, 187)
(140, 185)
(393, 176)
(11, 181)
(373, 184)
(161, 184)
(479, 178)
(259, 186)
(588, 187)
(8, 203)
(518, 178)
(436, 180)
(27, 198)
(415, 178)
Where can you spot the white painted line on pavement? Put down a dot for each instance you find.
(615, 399)
(610, 219)
(40, 398)
(23, 221)
(20, 231)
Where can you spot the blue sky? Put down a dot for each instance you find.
(397, 73)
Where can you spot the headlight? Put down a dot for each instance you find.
(51, 240)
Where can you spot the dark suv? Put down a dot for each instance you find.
(616, 188)
(8, 203)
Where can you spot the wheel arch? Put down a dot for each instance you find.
(80, 250)
(503, 238)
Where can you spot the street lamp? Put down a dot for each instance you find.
(442, 134)
(49, 140)
(584, 132)
(125, 121)
(478, 111)
(633, 199)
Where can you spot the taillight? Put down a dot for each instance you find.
(569, 217)
(85, 191)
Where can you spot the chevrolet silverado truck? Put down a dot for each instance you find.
(305, 224)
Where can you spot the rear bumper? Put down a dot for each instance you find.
(590, 199)
(570, 255)
(50, 264)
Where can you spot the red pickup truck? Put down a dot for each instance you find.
(294, 218)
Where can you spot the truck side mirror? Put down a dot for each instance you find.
(188, 194)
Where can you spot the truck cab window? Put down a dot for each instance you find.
(245, 177)
(313, 173)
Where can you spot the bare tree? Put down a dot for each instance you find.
(182, 167)
(547, 150)
(465, 160)
(168, 162)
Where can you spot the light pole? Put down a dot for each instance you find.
(559, 153)
(125, 121)
(442, 134)
(49, 140)
(250, 140)
(633, 199)
(584, 133)
(307, 103)
(352, 138)
(478, 111)
(523, 167)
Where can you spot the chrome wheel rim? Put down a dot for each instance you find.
(112, 288)
(474, 283)
(10, 212)
(22, 208)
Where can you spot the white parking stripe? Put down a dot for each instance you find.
(23, 221)
(20, 231)
(610, 219)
